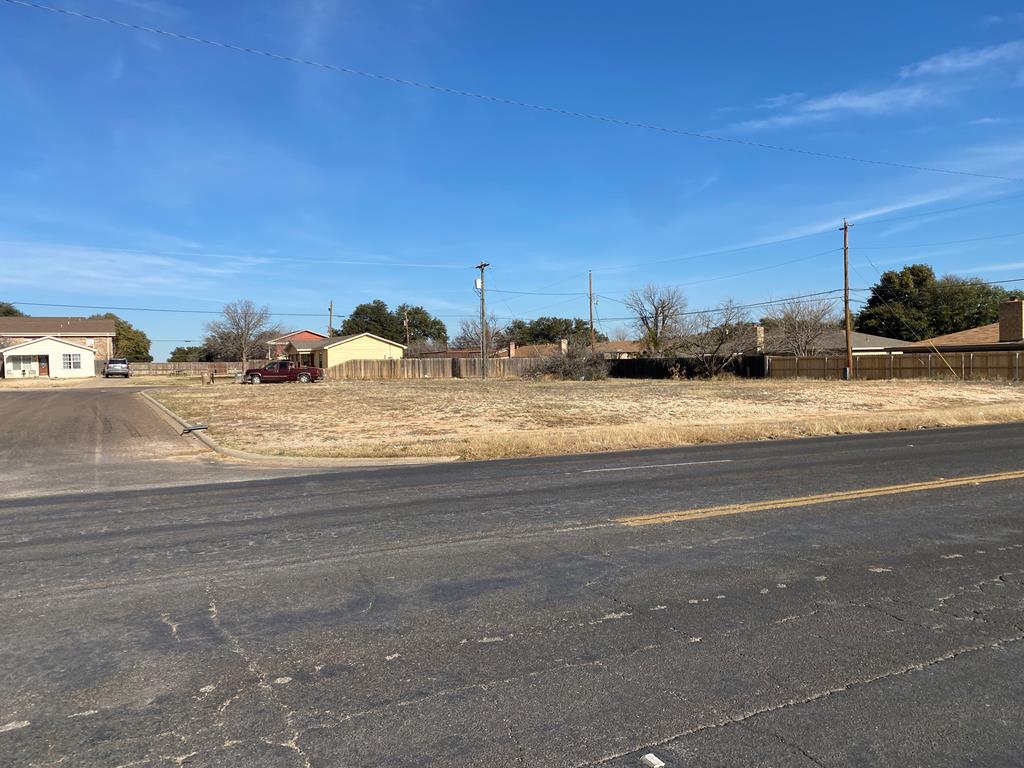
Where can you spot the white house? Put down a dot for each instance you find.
(50, 357)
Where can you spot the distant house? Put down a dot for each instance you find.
(276, 347)
(95, 335)
(1005, 335)
(834, 343)
(610, 350)
(48, 357)
(326, 352)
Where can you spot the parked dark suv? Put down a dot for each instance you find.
(116, 366)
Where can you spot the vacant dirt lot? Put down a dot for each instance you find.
(473, 419)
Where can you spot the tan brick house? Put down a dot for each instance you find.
(97, 335)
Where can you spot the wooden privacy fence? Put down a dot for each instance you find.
(437, 368)
(744, 366)
(497, 367)
(430, 368)
(966, 366)
(185, 369)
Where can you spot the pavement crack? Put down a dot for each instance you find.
(262, 680)
(743, 717)
(786, 742)
(166, 619)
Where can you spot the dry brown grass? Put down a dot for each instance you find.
(40, 383)
(478, 420)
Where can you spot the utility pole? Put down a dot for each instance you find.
(846, 299)
(330, 318)
(593, 337)
(483, 320)
(406, 328)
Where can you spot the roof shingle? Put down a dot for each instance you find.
(55, 326)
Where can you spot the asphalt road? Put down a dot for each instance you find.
(503, 613)
(100, 437)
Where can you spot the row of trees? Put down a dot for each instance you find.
(913, 304)
(244, 328)
(909, 304)
(543, 330)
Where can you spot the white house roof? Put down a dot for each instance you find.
(306, 346)
(21, 347)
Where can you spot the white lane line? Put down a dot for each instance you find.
(659, 466)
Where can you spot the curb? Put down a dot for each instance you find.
(291, 461)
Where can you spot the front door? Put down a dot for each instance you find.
(44, 365)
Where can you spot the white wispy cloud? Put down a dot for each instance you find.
(872, 102)
(931, 82)
(962, 60)
(999, 19)
(158, 7)
(138, 272)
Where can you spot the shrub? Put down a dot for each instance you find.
(577, 364)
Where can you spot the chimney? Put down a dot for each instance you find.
(758, 338)
(1011, 320)
(511, 349)
(564, 346)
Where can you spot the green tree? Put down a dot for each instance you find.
(376, 317)
(424, 328)
(551, 330)
(373, 317)
(913, 304)
(195, 354)
(129, 341)
(9, 310)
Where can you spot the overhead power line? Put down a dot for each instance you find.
(167, 310)
(871, 222)
(944, 242)
(591, 116)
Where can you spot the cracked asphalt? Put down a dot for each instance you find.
(496, 614)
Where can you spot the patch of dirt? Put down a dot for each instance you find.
(487, 419)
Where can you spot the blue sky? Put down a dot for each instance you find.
(144, 171)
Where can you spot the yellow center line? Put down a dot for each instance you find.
(821, 498)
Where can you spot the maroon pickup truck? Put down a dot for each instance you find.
(283, 370)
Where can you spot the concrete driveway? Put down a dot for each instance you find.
(95, 437)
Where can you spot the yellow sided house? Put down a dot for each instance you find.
(324, 353)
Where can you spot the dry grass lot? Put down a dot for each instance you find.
(478, 420)
(99, 381)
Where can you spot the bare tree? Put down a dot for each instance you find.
(797, 327)
(620, 333)
(659, 317)
(469, 334)
(715, 337)
(241, 332)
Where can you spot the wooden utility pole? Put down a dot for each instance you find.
(330, 318)
(483, 321)
(406, 329)
(593, 337)
(846, 299)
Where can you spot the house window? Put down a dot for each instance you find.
(15, 362)
(72, 361)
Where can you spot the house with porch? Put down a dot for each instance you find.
(96, 335)
(323, 353)
(276, 347)
(48, 357)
